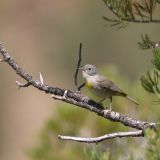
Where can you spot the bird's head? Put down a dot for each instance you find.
(88, 70)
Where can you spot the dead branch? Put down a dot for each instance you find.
(103, 138)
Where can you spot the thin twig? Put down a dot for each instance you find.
(75, 98)
(22, 85)
(81, 86)
(78, 65)
(2, 60)
(103, 138)
(41, 78)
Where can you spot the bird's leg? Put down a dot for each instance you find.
(110, 104)
(100, 102)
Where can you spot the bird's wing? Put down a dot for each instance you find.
(110, 86)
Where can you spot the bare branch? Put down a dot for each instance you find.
(103, 138)
(75, 98)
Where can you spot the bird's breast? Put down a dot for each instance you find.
(91, 82)
(89, 85)
(92, 85)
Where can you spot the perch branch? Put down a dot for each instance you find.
(75, 98)
(103, 138)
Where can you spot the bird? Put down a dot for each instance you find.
(101, 86)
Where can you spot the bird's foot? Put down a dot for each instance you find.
(78, 91)
(108, 109)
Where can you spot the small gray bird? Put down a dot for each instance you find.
(101, 86)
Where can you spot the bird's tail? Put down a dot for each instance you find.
(133, 100)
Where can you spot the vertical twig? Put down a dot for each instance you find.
(78, 65)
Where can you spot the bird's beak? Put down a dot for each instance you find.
(80, 68)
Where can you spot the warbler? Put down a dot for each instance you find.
(101, 86)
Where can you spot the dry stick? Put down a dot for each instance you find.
(102, 138)
(78, 65)
(77, 99)
(77, 69)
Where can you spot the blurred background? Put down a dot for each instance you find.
(44, 36)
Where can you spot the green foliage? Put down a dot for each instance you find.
(156, 59)
(50, 147)
(97, 154)
(146, 42)
(131, 11)
(122, 9)
(151, 81)
(158, 1)
(153, 146)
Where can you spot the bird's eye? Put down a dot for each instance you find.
(89, 69)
